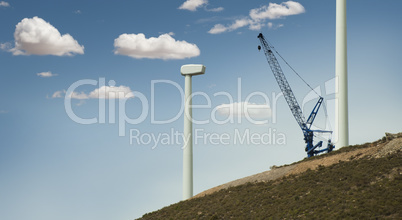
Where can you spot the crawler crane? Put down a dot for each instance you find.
(290, 98)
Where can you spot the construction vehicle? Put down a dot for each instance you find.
(290, 98)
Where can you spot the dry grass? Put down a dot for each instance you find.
(351, 183)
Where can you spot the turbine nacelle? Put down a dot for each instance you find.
(192, 69)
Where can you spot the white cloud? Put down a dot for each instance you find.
(220, 28)
(36, 36)
(80, 103)
(104, 92)
(218, 9)
(256, 26)
(244, 108)
(112, 92)
(213, 85)
(217, 29)
(273, 26)
(5, 46)
(239, 23)
(4, 4)
(46, 74)
(275, 11)
(58, 94)
(192, 5)
(163, 47)
(257, 16)
(270, 25)
(77, 95)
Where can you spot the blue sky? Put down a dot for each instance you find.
(52, 167)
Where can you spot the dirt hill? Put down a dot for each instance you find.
(360, 181)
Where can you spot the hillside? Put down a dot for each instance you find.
(361, 181)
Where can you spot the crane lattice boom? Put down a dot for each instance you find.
(283, 83)
(292, 102)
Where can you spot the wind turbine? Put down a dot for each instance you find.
(188, 71)
(341, 81)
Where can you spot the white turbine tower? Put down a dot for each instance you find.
(341, 71)
(188, 71)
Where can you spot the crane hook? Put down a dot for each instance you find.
(259, 47)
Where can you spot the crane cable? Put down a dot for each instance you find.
(292, 68)
(324, 105)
